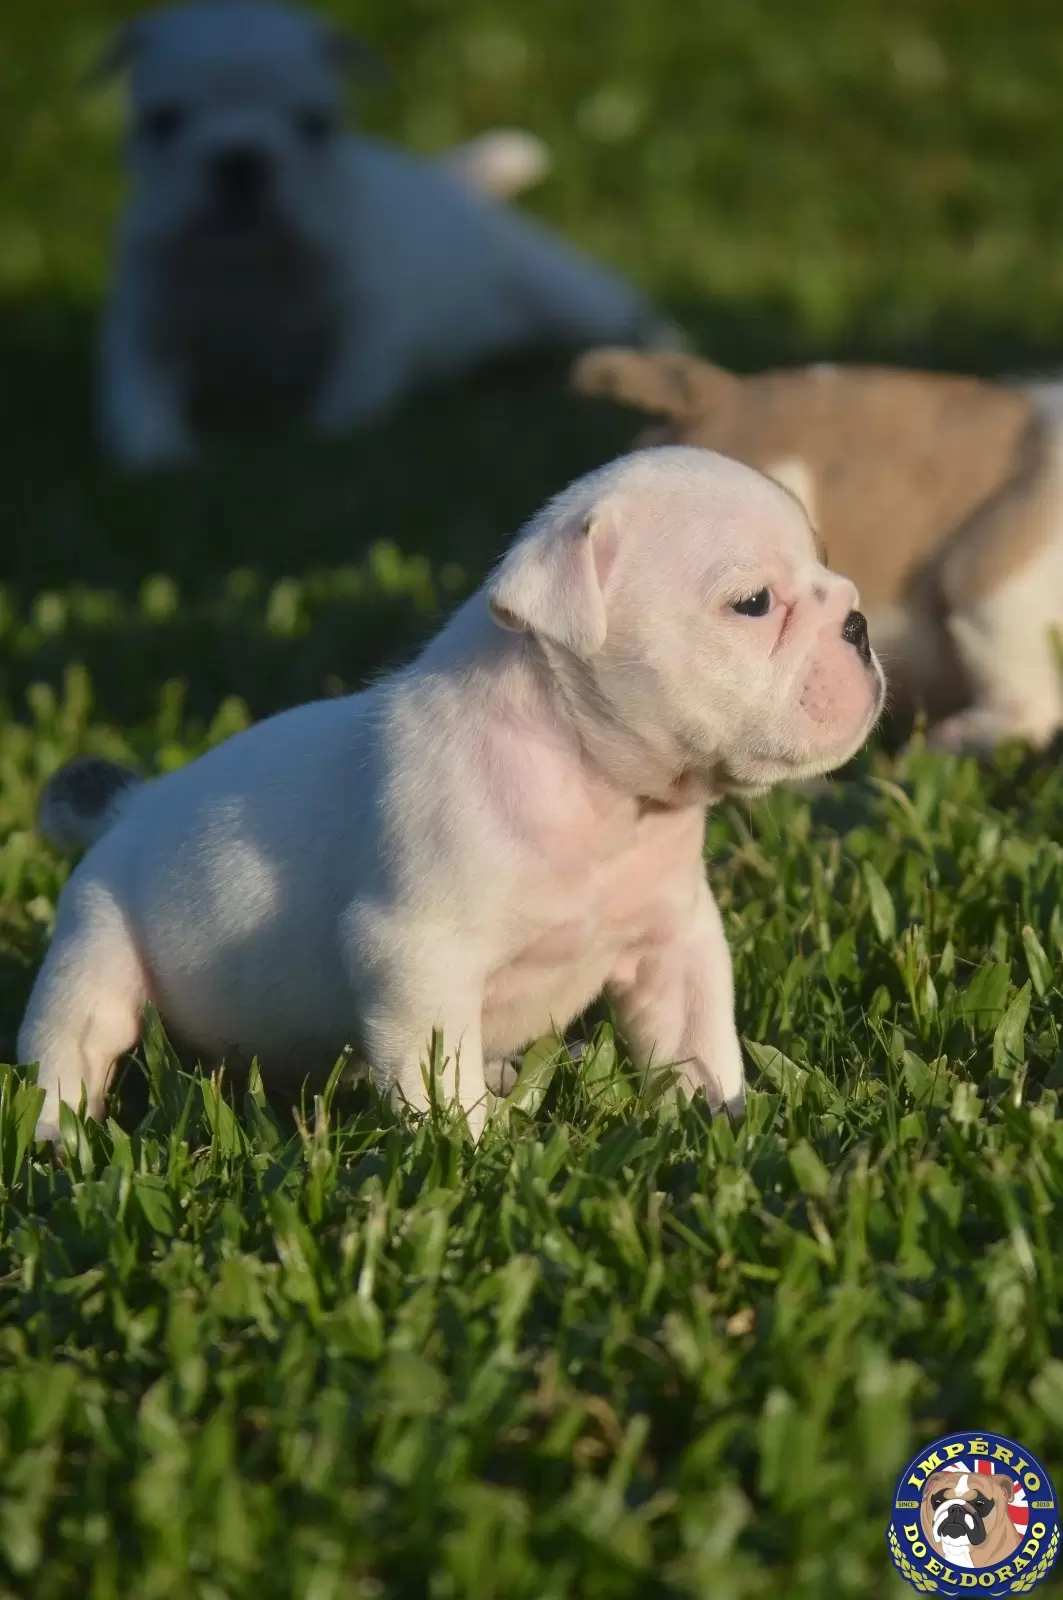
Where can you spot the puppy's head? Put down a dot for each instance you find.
(968, 1508)
(683, 597)
(235, 111)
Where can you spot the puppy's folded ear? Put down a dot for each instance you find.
(115, 55)
(794, 474)
(552, 582)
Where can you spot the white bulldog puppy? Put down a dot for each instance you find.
(265, 249)
(485, 840)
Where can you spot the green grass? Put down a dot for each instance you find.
(251, 1348)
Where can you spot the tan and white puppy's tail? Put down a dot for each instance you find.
(499, 164)
(83, 800)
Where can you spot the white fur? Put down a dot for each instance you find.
(1011, 644)
(501, 163)
(957, 1552)
(368, 271)
(485, 840)
(1046, 389)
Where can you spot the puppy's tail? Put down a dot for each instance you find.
(83, 800)
(669, 383)
(499, 164)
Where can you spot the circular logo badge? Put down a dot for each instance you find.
(974, 1514)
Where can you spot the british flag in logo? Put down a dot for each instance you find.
(1018, 1510)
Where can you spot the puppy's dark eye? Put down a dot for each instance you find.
(162, 124)
(754, 605)
(937, 1498)
(982, 1504)
(316, 124)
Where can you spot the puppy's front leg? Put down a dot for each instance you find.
(364, 379)
(398, 1036)
(675, 1003)
(141, 406)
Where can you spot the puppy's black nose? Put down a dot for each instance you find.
(241, 176)
(855, 630)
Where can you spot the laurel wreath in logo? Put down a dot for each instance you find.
(919, 1580)
(1036, 1573)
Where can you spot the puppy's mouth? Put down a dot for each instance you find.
(241, 222)
(755, 775)
(956, 1521)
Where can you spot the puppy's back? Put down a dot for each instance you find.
(894, 461)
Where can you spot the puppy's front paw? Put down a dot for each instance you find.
(150, 444)
(736, 1108)
(47, 1133)
(500, 1076)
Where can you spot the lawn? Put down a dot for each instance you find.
(251, 1348)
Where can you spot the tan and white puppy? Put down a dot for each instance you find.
(965, 1517)
(264, 250)
(942, 497)
(484, 841)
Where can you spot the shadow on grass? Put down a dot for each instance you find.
(451, 476)
(447, 480)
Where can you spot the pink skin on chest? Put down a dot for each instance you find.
(606, 884)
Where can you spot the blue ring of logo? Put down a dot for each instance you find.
(947, 1540)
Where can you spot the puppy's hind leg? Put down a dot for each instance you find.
(1002, 586)
(141, 407)
(1009, 643)
(84, 1011)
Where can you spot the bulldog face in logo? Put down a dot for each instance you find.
(965, 1517)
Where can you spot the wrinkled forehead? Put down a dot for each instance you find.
(729, 523)
(957, 1486)
(230, 53)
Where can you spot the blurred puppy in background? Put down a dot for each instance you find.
(265, 249)
(941, 497)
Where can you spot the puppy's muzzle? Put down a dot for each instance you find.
(854, 630)
(961, 1520)
(241, 179)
